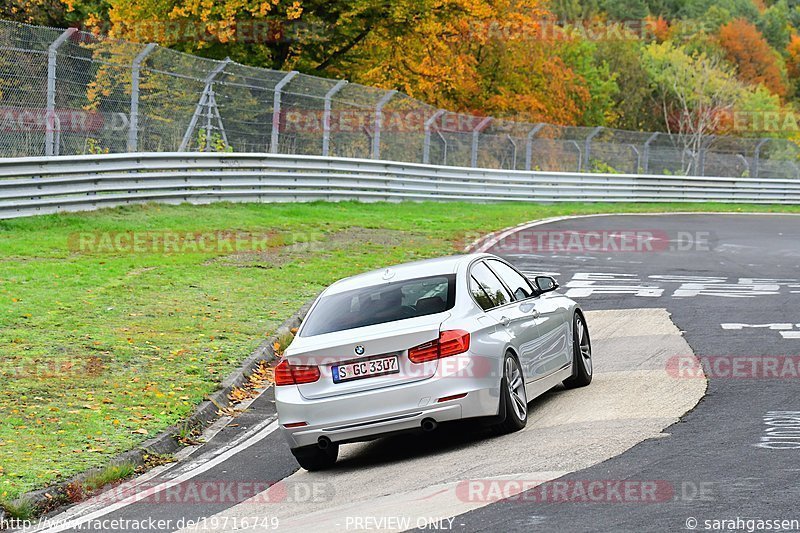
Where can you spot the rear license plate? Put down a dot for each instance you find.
(378, 366)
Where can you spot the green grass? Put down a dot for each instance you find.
(99, 351)
(20, 509)
(108, 474)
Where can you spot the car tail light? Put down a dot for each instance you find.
(286, 374)
(449, 343)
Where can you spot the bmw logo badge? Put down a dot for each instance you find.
(359, 350)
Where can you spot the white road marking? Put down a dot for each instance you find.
(787, 329)
(263, 430)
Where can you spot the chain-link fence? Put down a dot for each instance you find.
(66, 92)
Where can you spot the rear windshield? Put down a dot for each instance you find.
(379, 304)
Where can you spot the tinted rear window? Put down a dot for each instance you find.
(379, 304)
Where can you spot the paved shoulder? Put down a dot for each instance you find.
(406, 481)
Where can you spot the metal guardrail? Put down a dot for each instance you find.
(40, 185)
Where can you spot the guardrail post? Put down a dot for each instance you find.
(133, 129)
(529, 145)
(646, 158)
(206, 99)
(482, 125)
(50, 147)
(587, 146)
(757, 157)
(276, 112)
(326, 116)
(376, 135)
(426, 143)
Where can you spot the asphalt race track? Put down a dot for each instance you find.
(619, 455)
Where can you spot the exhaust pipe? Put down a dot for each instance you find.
(429, 424)
(324, 443)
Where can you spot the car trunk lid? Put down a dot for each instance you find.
(366, 344)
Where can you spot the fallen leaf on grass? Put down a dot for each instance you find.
(141, 431)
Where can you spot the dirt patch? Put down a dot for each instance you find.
(350, 238)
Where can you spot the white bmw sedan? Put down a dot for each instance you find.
(418, 344)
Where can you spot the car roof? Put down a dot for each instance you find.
(404, 271)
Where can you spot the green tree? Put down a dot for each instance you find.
(625, 9)
(775, 26)
(579, 56)
(633, 104)
(696, 9)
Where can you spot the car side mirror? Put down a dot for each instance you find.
(545, 283)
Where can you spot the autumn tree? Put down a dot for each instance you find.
(492, 57)
(756, 62)
(793, 57)
(307, 35)
(697, 92)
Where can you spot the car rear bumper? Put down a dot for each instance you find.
(360, 416)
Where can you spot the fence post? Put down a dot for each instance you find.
(326, 116)
(757, 157)
(444, 147)
(529, 145)
(482, 125)
(426, 143)
(52, 51)
(205, 100)
(646, 158)
(578, 149)
(587, 147)
(276, 112)
(702, 152)
(376, 136)
(638, 158)
(133, 129)
(513, 151)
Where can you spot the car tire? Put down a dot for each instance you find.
(513, 398)
(314, 458)
(582, 366)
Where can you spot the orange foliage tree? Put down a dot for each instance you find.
(491, 55)
(756, 62)
(793, 57)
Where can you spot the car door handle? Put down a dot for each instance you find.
(536, 314)
(505, 320)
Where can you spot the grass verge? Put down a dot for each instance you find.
(102, 348)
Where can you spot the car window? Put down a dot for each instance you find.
(486, 288)
(520, 287)
(378, 304)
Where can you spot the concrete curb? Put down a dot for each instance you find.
(53, 499)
